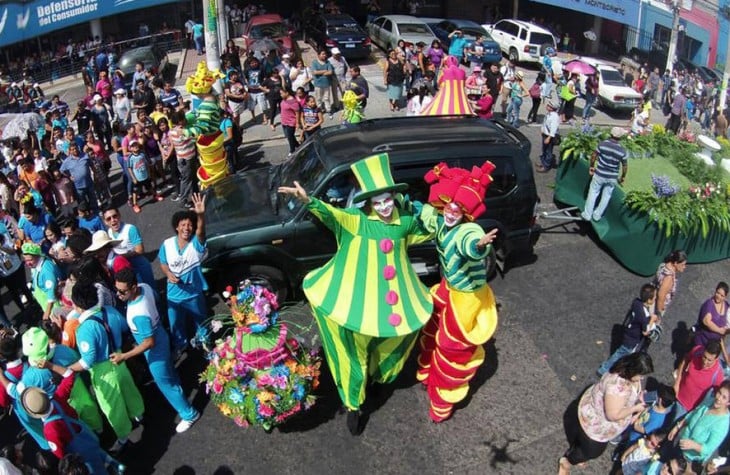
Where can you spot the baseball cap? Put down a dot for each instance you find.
(120, 91)
(618, 132)
(286, 56)
(336, 51)
(97, 97)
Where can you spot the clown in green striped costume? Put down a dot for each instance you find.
(367, 300)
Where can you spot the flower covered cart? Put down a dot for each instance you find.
(671, 199)
(258, 373)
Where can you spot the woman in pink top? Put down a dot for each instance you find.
(483, 106)
(290, 117)
(605, 410)
(104, 87)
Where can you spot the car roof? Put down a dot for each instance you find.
(528, 25)
(263, 19)
(469, 23)
(403, 19)
(337, 16)
(348, 143)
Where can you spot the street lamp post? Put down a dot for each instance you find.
(212, 47)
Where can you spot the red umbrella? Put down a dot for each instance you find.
(578, 66)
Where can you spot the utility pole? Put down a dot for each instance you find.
(672, 52)
(212, 48)
(726, 72)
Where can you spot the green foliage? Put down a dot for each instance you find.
(576, 144)
(702, 203)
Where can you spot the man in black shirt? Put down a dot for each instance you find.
(359, 86)
(494, 80)
(143, 97)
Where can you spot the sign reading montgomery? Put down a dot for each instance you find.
(22, 21)
(620, 11)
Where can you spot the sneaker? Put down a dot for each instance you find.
(136, 209)
(176, 197)
(169, 186)
(159, 198)
(331, 116)
(185, 425)
(118, 446)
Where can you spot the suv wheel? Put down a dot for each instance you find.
(270, 278)
(514, 55)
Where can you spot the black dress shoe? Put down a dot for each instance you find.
(353, 422)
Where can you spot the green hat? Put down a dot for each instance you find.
(373, 174)
(31, 249)
(35, 345)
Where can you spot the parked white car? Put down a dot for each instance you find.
(521, 41)
(386, 31)
(613, 93)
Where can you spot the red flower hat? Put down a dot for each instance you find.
(467, 189)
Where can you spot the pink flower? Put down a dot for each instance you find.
(240, 421)
(217, 387)
(389, 272)
(266, 380)
(266, 411)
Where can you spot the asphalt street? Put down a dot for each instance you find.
(558, 310)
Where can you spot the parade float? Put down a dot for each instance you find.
(203, 123)
(675, 196)
(258, 374)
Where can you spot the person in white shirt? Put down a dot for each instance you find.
(340, 66)
(549, 131)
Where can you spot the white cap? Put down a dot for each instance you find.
(35, 84)
(336, 51)
(15, 84)
(120, 91)
(286, 56)
(96, 97)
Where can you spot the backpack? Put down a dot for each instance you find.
(535, 91)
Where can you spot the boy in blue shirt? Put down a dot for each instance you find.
(636, 326)
(89, 220)
(138, 169)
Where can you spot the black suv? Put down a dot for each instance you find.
(256, 233)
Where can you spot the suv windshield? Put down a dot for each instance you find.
(541, 39)
(304, 167)
(272, 30)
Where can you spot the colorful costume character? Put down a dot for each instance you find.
(451, 98)
(258, 374)
(367, 300)
(352, 112)
(465, 313)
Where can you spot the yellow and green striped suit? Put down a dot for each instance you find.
(368, 301)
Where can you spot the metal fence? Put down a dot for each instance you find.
(57, 68)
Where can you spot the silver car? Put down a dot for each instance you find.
(386, 31)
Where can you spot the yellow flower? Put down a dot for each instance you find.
(225, 409)
(265, 396)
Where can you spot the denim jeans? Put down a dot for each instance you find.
(599, 186)
(590, 99)
(513, 111)
(546, 157)
(199, 44)
(620, 352)
(4, 321)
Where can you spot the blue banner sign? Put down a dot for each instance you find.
(22, 21)
(621, 11)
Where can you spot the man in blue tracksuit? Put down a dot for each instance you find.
(152, 340)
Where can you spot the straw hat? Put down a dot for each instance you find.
(99, 240)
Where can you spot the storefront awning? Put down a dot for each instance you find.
(20, 21)
(621, 11)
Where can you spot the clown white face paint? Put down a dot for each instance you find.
(452, 215)
(383, 205)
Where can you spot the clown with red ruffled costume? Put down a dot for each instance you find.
(465, 313)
